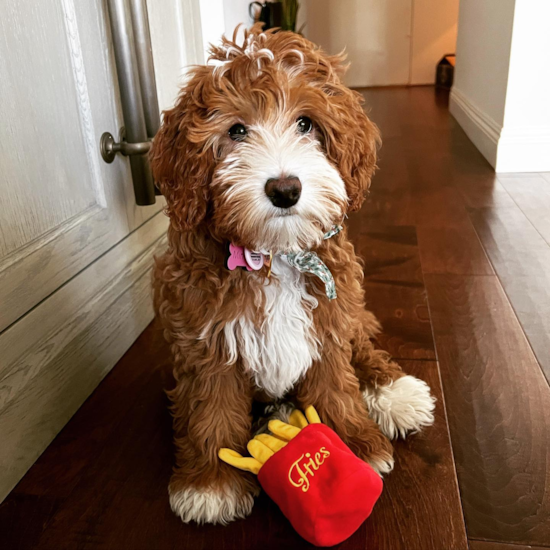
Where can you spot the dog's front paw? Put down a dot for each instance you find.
(211, 505)
(403, 406)
(381, 463)
(373, 447)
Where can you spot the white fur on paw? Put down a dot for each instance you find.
(382, 465)
(405, 405)
(210, 505)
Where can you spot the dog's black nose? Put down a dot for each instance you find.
(283, 192)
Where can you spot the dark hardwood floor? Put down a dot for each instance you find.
(457, 268)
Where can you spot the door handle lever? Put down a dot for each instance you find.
(109, 147)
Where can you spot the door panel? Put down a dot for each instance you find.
(60, 207)
(375, 35)
(41, 64)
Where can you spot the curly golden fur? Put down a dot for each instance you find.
(270, 80)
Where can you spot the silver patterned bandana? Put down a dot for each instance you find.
(309, 262)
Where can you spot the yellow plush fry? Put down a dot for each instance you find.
(243, 463)
(312, 415)
(274, 443)
(297, 419)
(285, 431)
(259, 451)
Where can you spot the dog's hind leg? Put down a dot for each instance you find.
(332, 387)
(397, 402)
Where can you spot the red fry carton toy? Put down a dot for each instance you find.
(325, 490)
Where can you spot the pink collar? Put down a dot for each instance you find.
(239, 256)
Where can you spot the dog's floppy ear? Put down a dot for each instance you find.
(350, 138)
(181, 160)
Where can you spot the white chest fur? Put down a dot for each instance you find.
(280, 351)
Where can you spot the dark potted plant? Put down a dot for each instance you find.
(281, 13)
(290, 14)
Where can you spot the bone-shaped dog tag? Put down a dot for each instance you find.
(236, 258)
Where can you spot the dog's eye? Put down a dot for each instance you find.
(304, 125)
(237, 132)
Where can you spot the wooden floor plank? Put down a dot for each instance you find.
(483, 191)
(521, 258)
(448, 250)
(394, 286)
(489, 545)
(390, 202)
(531, 192)
(499, 406)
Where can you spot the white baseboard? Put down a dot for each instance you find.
(88, 324)
(507, 149)
(479, 127)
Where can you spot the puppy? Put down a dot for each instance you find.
(267, 149)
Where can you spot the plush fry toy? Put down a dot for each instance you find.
(319, 484)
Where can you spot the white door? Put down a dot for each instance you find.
(374, 33)
(75, 250)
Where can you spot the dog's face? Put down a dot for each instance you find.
(267, 144)
(274, 188)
